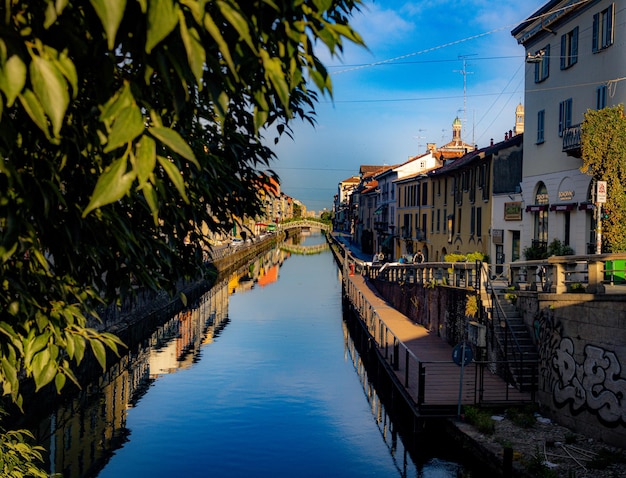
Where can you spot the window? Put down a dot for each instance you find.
(458, 223)
(541, 121)
(472, 221)
(569, 49)
(603, 29)
(565, 115)
(601, 97)
(479, 221)
(542, 67)
(438, 220)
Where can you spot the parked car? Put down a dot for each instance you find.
(236, 242)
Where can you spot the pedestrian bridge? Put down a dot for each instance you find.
(305, 250)
(306, 223)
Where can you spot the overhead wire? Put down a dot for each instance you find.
(459, 41)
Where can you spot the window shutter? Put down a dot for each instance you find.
(563, 51)
(574, 46)
(609, 26)
(596, 27)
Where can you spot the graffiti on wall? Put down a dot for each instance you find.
(594, 384)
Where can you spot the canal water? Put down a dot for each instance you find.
(260, 378)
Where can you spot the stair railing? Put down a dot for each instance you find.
(511, 347)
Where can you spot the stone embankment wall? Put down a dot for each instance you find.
(581, 340)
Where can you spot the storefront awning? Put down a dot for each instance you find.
(570, 206)
(536, 207)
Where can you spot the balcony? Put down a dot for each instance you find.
(571, 141)
(381, 226)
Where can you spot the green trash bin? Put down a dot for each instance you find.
(615, 271)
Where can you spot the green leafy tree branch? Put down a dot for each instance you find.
(129, 128)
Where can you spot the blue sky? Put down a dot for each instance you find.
(406, 89)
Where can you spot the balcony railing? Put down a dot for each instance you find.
(381, 225)
(571, 141)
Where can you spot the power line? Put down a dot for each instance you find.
(457, 42)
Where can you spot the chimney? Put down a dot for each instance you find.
(491, 143)
(506, 136)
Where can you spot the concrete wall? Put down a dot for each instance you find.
(581, 340)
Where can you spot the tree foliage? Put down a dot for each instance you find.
(603, 142)
(127, 128)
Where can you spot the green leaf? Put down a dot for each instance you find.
(68, 69)
(162, 19)
(151, 199)
(112, 185)
(51, 88)
(274, 73)
(121, 100)
(12, 78)
(145, 158)
(127, 126)
(175, 142)
(43, 368)
(100, 352)
(9, 371)
(69, 345)
(196, 54)
(238, 21)
(34, 109)
(59, 382)
(34, 344)
(79, 348)
(214, 31)
(175, 176)
(54, 9)
(110, 13)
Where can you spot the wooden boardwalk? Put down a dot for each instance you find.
(422, 361)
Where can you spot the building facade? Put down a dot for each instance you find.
(575, 61)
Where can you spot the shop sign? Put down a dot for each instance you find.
(513, 211)
(497, 236)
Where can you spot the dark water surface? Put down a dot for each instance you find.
(262, 380)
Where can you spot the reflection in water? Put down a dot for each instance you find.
(85, 430)
(402, 455)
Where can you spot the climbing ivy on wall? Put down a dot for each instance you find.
(603, 143)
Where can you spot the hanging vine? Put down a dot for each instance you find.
(603, 143)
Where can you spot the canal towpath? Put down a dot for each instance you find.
(443, 385)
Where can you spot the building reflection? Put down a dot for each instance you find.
(85, 430)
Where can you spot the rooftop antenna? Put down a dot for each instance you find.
(418, 137)
(464, 72)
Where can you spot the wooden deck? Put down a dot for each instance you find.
(422, 361)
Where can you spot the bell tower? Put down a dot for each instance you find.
(519, 119)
